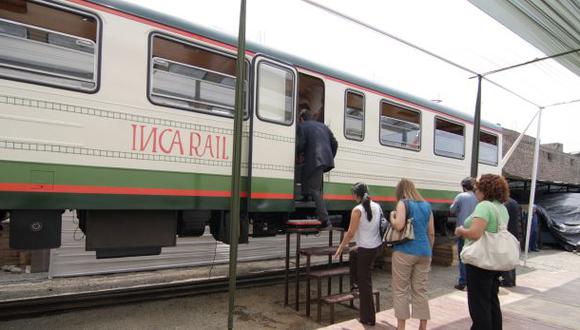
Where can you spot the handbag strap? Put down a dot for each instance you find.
(381, 216)
(497, 222)
(407, 212)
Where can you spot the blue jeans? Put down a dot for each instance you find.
(534, 234)
(462, 275)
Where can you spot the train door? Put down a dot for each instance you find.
(273, 136)
(311, 96)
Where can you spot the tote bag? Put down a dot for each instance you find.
(493, 251)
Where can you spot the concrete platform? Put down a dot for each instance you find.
(543, 299)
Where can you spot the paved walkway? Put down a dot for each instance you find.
(543, 299)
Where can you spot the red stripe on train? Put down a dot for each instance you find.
(100, 190)
(153, 23)
(382, 198)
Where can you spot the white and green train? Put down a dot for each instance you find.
(125, 115)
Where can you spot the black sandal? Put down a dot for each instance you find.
(367, 323)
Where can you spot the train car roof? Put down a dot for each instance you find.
(181, 24)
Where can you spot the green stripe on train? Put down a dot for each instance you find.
(344, 189)
(22, 172)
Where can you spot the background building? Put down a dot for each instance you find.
(557, 171)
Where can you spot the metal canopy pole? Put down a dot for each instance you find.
(508, 155)
(533, 188)
(236, 163)
(476, 128)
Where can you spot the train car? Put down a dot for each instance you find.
(125, 115)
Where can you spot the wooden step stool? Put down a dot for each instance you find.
(319, 275)
(342, 297)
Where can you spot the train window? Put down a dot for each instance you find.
(488, 148)
(449, 139)
(400, 127)
(194, 78)
(354, 116)
(48, 45)
(275, 95)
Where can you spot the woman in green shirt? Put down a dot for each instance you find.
(483, 285)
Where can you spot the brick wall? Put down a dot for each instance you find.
(554, 165)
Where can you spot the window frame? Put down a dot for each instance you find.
(354, 91)
(256, 87)
(405, 108)
(497, 151)
(169, 37)
(98, 48)
(435, 135)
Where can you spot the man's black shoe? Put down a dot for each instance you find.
(460, 287)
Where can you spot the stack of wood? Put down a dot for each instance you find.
(383, 261)
(445, 252)
(8, 256)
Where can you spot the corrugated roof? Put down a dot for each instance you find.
(551, 26)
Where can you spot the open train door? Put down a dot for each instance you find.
(273, 136)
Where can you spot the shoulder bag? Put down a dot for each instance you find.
(383, 223)
(395, 237)
(498, 251)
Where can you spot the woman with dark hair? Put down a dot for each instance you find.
(483, 285)
(364, 228)
(411, 261)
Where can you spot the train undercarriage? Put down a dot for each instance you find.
(125, 233)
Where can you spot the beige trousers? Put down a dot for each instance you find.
(410, 272)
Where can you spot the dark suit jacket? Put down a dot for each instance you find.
(318, 144)
(515, 223)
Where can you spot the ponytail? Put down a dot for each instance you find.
(361, 190)
(366, 203)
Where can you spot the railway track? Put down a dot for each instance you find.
(31, 307)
